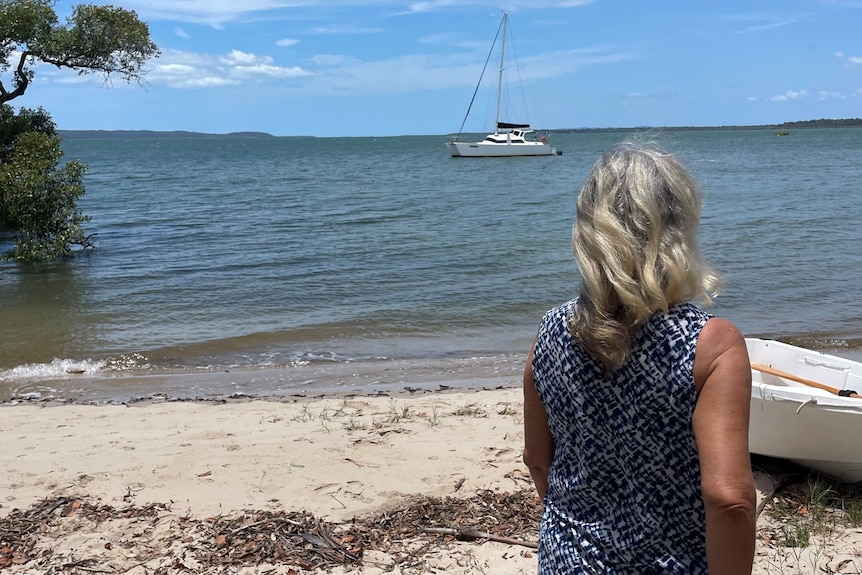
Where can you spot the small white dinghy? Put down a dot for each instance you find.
(806, 406)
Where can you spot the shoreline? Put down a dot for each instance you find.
(84, 382)
(137, 487)
(353, 377)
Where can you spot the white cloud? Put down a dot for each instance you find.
(206, 82)
(76, 79)
(753, 99)
(187, 71)
(237, 58)
(511, 5)
(218, 12)
(754, 22)
(175, 69)
(181, 33)
(640, 96)
(410, 73)
(336, 72)
(827, 95)
(839, 54)
(285, 42)
(766, 26)
(179, 69)
(789, 95)
(420, 7)
(344, 30)
(854, 61)
(268, 70)
(213, 12)
(333, 60)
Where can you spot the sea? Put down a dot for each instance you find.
(282, 266)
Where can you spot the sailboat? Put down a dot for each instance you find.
(508, 139)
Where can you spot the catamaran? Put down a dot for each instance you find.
(508, 139)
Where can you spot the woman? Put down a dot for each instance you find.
(636, 402)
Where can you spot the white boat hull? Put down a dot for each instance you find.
(812, 427)
(488, 150)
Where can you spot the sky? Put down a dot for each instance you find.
(333, 68)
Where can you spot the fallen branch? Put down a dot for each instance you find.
(473, 535)
(264, 522)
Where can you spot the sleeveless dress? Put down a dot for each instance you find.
(624, 491)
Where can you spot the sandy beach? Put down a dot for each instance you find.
(430, 482)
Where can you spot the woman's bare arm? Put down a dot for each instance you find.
(538, 441)
(723, 378)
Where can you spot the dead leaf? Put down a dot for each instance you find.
(71, 508)
(19, 558)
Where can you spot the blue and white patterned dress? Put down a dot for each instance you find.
(624, 488)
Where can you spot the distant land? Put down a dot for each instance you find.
(823, 123)
(178, 134)
(150, 134)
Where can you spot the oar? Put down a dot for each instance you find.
(802, 380)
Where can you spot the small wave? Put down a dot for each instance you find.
(57, 368)
(127, 362)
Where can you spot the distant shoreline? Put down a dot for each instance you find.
(150, 134)
(824, 123)
(178, 134)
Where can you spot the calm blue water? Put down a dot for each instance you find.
(342, 255)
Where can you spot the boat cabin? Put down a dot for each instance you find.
(517, 134)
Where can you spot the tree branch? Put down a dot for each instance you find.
(21, 81)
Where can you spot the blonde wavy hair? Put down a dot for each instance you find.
(635, 243)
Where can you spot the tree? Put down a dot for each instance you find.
(37, 198)
(95, 39)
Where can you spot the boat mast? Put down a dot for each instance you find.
(500, 76)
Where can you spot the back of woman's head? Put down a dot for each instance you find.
(635, 242)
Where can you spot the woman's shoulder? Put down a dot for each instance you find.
(720, 334)
(689, 309)
(564, 311)
(555, 321)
